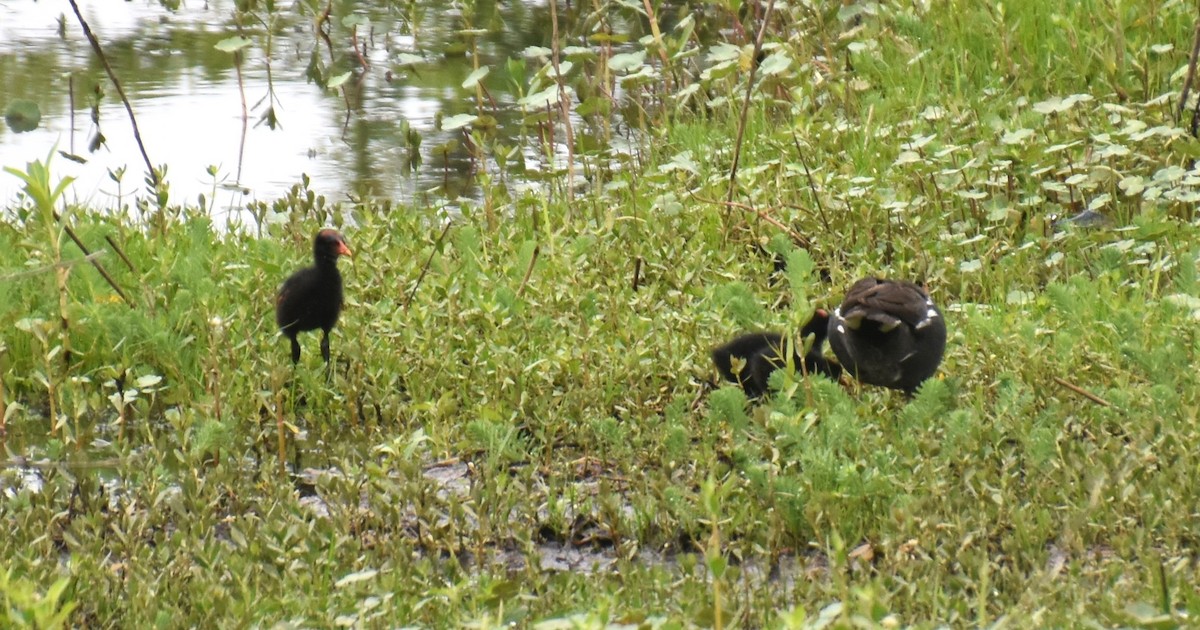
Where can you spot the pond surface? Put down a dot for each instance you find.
(188, 105)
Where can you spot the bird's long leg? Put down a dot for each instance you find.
(325, 352)
(295, 350)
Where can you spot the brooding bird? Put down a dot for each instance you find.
(312, 297)
(763, 353)
(888, 333)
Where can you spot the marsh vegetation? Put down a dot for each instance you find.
(522, 425)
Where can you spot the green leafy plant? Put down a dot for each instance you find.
(26, 607)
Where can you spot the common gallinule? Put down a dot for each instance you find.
(888, 333)
(312, 297)
(763, 353)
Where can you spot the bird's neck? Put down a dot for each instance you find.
(326, 263)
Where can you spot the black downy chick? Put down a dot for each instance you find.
(763, 353)
(312, 297)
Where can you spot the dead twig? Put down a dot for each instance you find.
(95, 263)
(1191, 76)
(429, 260)
(112, 76)
(529, 270)
(796, 236)
(564, 101)
(120, 252)
(812, 184)
(741, 131)
(1082, 392)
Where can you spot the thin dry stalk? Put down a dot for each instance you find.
(741, 131)
(95, 263)
(51, 390)
(425, 268)
(657, 34)
(71, 100)
(796, 236)
(280, 427)
(1082, 392)
(3, 399)
(1191, 75)
(529, 270)
(357, 52)
(564, 105)
(120, 252)
(61, 274)
(112, 76)
(812, 184)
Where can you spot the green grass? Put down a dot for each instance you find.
(498, 421)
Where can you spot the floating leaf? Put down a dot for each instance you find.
(22, 115)
(998, 212)
(687, 91)
(232, 44)
(829, 614)
(681, 162)
(357, 576)
(1161, 130)
(918, 142)
(1099, 202)
(1076, 179)
(580, 53)
(28, 324)
(1057, 148)
(408, 59)
(1132, 185)
(1123, 245)
(1172, 173)
(473, 79)
(775, 64)
(1056, 105)
(564, 68)
(457, 121)
(1113, 150)
(149, 380)
(538, 100)
(626, 62)
(933, 112)
(536, 52)
(1016, 136)
(724, 52)
(1019, 297)
(337, 81)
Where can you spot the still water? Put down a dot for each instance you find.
(188, 104)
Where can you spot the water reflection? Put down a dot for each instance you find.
(186, 98)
